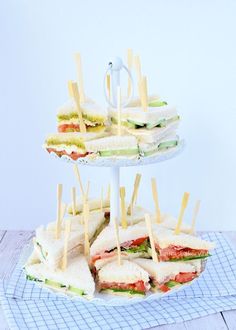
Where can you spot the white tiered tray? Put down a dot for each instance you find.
(123, 162)
(103, 299)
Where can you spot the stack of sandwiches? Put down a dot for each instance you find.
(154, 129)
(180, 258)
(94, 117)
(87, 130)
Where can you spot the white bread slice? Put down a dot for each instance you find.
(128, 272)
(163, 272)
(89, 108)
(76, 275)
(150, 148)
(94, 204)
(50, 250)
(96, 220)
(152, 115)
(106, 239)
(169, 222)
(166, 237)
(114, 142)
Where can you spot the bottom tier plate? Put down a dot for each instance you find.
(103, 299)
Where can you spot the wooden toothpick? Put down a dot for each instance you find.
(108, 83)
(73, 197)
(135, 193)
(144, 93)
(137, 65)
(86, 230)
(74, 88)
(181, 213)
(155, 198)
(108, 192)
(130, 65)
(59, 208)
(151, 238)
(101, 201)
(85, 201)
(117, 242)
(66, 239)
(77, 174)
(119, 110)
(195, 213)
(123, 208)
(80, 76)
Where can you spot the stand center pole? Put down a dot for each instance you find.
(115, 195)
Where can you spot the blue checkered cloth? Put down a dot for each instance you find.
(27, 306)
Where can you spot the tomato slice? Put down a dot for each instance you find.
(185, 277)
(68, 128)
(73, 155)
(140, 286)
(138, 241)
(164, 288)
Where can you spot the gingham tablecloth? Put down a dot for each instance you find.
(27, 306)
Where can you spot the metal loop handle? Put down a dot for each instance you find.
(109, 69)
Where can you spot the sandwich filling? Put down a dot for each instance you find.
(177, 253)
(126, 278)
(130, 288)
(173, 281)
(93, 116)
(138, 247)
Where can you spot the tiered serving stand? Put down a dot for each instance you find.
(114, 165)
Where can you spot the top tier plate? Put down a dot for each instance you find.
(123, 162)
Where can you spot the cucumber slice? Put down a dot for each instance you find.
(121, 152)
(135, 123)
(167, 145)
(160, 123)
(131, 292)
(54, 284)
(171, 284)
(157, 103)
(76, 290)
(32, 278)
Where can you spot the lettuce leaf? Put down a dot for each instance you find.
(128, 291)
(191, 258)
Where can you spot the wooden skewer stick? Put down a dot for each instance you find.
(137, 65)
(144, 93)
(181, 213)
(63, 210)
(151, 238)
(73, 197)
(195, 213)
(101, 201)
(86, 230)
(85, 201)
(109, 192)
(80, 76)
(123, 208)
(108, 83)
(70, 90)
(87, 191)
(135, 193)
(117, 242)
(76, 96)
(155, 198)
(59, 202)
(66, 239)
(119, 110)
(130, 65)
(77, 174)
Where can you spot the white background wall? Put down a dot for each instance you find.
(188, 52)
